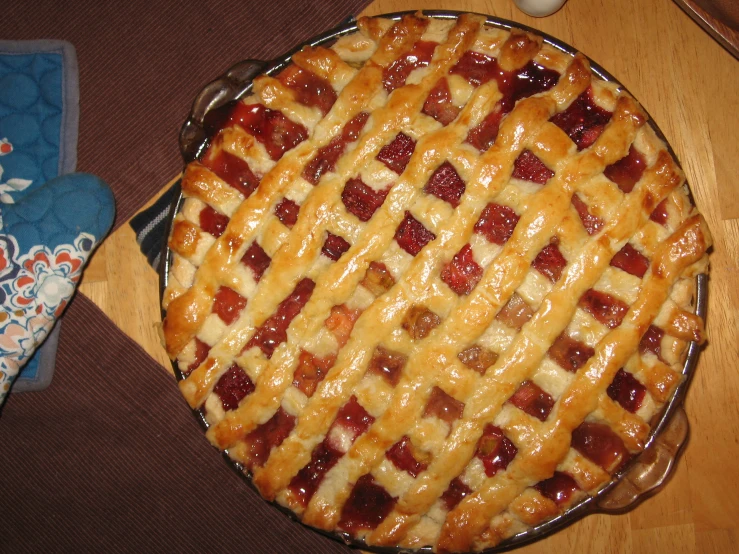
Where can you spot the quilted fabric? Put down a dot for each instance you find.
(38, 123)
(47, 227)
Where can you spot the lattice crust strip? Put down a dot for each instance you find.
(431, 285)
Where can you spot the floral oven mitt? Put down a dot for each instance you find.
(45, 240)
(49, 225)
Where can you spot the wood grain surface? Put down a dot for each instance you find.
(719, 18)
(689, 85)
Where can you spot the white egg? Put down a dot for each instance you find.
(539, 8)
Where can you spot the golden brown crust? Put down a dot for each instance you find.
(198, 182)
(184, 238)
(384, 328)
(519, 50)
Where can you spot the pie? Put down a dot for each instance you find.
(433, 284)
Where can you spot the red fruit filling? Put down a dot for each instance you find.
(396, 73)
(631, 261)
(353, 418)
(495, 450)
(326, 158)
(334, 247)
(387, 364)
(419, 322)
(478, 358)
(591, 223)
(218, 119)
(483, 135)
(273, 331)
(583, 121)
(462, 273)
(228, 305)
(610, 311)
(627, 171)
(310, 89)
(270, 127)
(477, 68)
(401, 455)
(569, 353)
(213, 222)
(445, 183)
(533, 400)
(264, 438)
(287, 212)
(341, 322)
(559, 488)
(378, 279)
(528, 167)
(201, 352)
(304, 485)
(531, 79)
(550, 262)
(443, 406)
(627, 391)
(232, 387)
(231, 169)
(324, 161)
(515, 313)
(353, 127)
(496, 223)
(310, 371)
(367, 505)
(362, 200)
(455, 493)
(439, 103)
(660, 215)
(256, 259)
(411, 235)
(397, 153)
(601, 445)
(652, 341)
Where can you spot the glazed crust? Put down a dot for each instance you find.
(410, 314)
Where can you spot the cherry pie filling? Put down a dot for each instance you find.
(351, 419)
(256, 259)
(267, 436)
(439, 103)
(368, 506)
(278, 133)
(212, 222)
(362, 200)
(287, 212)
(273, 331)
(232, 169)
(402, 456)
(559, 488)
(326, 158)
(397, 153)
(310, 89)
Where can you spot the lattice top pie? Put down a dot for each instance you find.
(431, 284)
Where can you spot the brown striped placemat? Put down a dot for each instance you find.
(109, 459)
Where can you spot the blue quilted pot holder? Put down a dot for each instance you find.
(48, 224)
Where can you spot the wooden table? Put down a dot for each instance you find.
(689, 85)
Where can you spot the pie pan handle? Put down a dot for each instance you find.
(229, 87)
(651, 471)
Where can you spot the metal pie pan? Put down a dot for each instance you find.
(642, 477)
